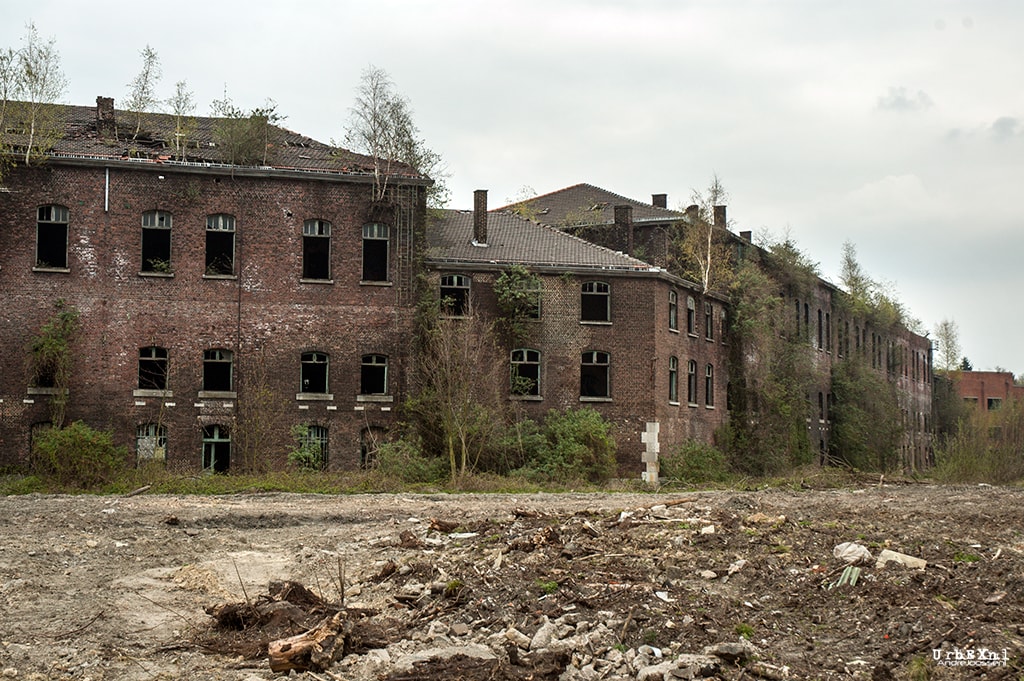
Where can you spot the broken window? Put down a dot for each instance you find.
(594, 374)
(314, 441)
(709, 386)
(216, 448)
(691, 382)
(151, 442)
(153, 368)
(316, 249)
(314, 372)
(709, 321)
(673, 379)
(375, 252)
(217, 370)
(52, 238)
(595, 302)
(525, 372)
(220, 245)
(373, 375)
(691, 316)
(455, 294)
(993, 403)
(673, 310)
(156, 242)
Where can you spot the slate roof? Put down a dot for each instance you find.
(288, 150)
(512, 239)
(587, 204)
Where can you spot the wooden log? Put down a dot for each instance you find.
(315, 650)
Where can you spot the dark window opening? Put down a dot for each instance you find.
(156, 241)
(525, 372)
(673, 311)
(217, 370)
(821, 331)
(370, 440)
(216, 449)
(595, 302)
(316, 249)
(691, 382)
(375, 252)
(709, 386)
(673, 379)
(455, 294)
(691, 316)
(709, 321)
(314, 372)
(220, 245)
(373, 376)
(594, 374)
(314, 442)
(153, 368)
(52, 237)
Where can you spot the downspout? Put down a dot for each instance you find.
(106, 191)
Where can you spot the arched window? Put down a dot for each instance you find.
(691, 316)
(709, 386)
(691, 382)
(673, 310)
(455, 290)
(313, 374)
(673, 379)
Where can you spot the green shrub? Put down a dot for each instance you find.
(78, 456)
(307, 454)
(986, 447)
(404, 459)
(695, 462)
(577, 445)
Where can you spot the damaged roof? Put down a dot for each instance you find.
(104, 133)
(585, 204)
(512, 239)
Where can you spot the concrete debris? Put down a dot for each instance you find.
(887, 556)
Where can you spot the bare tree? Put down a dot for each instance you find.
(381, 126)
(245, 137)
(702, 245)
(42, 84)
(142, 97)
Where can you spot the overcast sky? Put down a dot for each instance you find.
(898, 126)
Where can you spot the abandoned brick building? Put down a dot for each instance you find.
(223, 303)
(987, 390)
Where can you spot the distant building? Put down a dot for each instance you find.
(987, 390)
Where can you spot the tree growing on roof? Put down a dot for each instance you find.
(142, 97)
(381, 126)
(699, 250)
(246, 138)
(182, 105)
(947, 346)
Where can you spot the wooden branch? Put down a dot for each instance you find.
(315, 650)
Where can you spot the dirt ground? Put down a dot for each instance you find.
(615, 584)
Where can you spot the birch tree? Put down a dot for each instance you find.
(947, 346)
(142, 97)
(703, 249)
(42, 83)
(182, 105)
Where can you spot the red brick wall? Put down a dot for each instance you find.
(266, 307)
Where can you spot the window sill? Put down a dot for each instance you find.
(314, 397)
(218, 394)
(673, 404)
(592, 322)
(157, 275)
(709, 406)
(692, 405)
(691, 334)
(366, 282)
(375, 398)
(709, 340)
(62, 270)
(35, 390)
(149, 392)
(527, 398)
(220, 276)
(595, 399)
(316, 281)
(675, 331)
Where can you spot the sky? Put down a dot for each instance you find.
(895, 125)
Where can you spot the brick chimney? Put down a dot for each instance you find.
(659, 200)
(480, 217)
(720, 220)
(748, 235)
(624, 219)
(105, 122)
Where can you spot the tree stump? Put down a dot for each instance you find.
(315, 650)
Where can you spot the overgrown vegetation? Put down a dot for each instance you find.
(77, 456)
(519, 298)
(245, 137)
(695, 462)
(865, 420)
(986, 447)
(52, 359)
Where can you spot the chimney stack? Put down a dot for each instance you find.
(624, 219)
(105, 122)
(749, 236)
(720, 220)
(659, 200)
(480, 217)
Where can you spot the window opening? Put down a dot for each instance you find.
(314, 441)
(52, 237)
(691, 316)
(673, 379)
(595, 302)
(220, 244)
(709, 321)
(370, 440)
(673, 310)
(316, 249)
(525, 372)
(156, 241)
(594, 374)
(375, 252)
(216, 449)
(217, 370)
(151, 442)
(821, 331)
(691, 382)
(153, 368)
(455, 294)
(314, 372)
(709, 386)
(373, 377)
